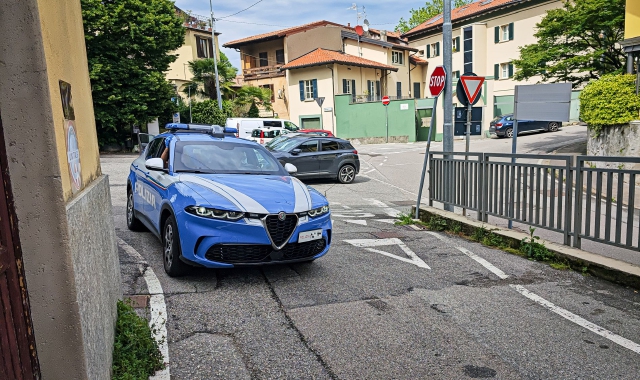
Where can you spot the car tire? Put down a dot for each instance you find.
(508, 133)
(553, 126)
(171, 250)
(347, 173)
(133, 223)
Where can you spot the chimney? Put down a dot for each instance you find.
(349, 25)
(383, 35)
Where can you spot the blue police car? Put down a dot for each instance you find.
(218, 201)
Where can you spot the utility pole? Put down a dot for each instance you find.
(447, 133)
(215, 58)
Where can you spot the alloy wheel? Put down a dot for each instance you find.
(168, 244)
(509, 133)
(553, 126)
(347, 174)
(130, 209)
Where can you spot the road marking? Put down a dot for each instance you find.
(158, 308)
(438, 236)
(390, 185)
(368, 243)
(356, 214)
(346, 207)
(484, 263)
(360, 222)
(390, 221)
(387, 210)
(624, 342)
(413, 226)
(369, 171)
(375, 202)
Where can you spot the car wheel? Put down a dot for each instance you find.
(553, 126)
(347, 174)
(171, 249)
(509, 133)
(132, 222)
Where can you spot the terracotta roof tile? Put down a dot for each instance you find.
(418, 60)
(281, 33)
(321, 56)
(475, 8)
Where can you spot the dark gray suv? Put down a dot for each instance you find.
(318, 157)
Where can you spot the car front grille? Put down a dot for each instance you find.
(258, 254)
(280, 230)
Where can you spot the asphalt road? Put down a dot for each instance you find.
(388, 301)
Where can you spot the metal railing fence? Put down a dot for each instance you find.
(577, 200)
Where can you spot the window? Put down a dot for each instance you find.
(456, 75)
(289, 126)
(155, 149)
(309, 147)
(280, 57)
(416, 90)
(397, 57)
(264, 59)
(272, 123)
(456, 44)
(433, 50)
(504, 33)
(308, 89)
(204, 47)
(223, 157)
(373, 89)
(399, 89)
(270, 88)
(329, 145)
(503, 70)
(347, 86)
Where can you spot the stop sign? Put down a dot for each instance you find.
(385, 100)
(437, 80)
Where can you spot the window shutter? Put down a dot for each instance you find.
(511, 32)
(437, 52)
(496, 71)
(199, 47)
(399, 90)
(497, 29)
(428, 51)
(378, 88)
(510, 70)
(344, 86)
(301, 90)
(315, 88)
(210, 45)
(353, 89)
(457, 43)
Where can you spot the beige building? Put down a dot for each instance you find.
(324, 59)
(631, 41)
(487, 36)
(198, 44)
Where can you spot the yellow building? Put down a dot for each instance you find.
(631, 41)
(197, 45)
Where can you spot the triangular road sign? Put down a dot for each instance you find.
(320, 100)
(367, 244)
(472, 86)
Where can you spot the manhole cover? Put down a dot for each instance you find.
(387, 235)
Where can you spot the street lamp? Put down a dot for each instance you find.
(215, 58)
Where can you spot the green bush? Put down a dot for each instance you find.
(610, 100)
(253, 110)
(135, 351)
(207, 112)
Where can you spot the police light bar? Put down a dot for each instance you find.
(214, 130)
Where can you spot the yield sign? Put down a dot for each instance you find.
(320, 100)
(472, 86)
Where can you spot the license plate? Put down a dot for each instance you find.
(309, 236)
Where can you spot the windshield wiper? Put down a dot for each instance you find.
(194, 171)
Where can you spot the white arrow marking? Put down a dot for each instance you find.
(360, 222)
(367, 243)
(375, 202)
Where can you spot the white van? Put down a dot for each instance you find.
(246, 125)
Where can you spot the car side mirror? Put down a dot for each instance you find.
(290, 168)
(296, 152)
(154, 164)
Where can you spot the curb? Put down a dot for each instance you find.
(599, 266)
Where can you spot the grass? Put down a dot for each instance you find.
(135, 352)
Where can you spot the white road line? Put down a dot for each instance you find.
(484, 263)
(158, 308)
(368, 243)
(390, 185)
(375, 202)
(624, 342)
(438, 236)
(346, 207)
(369, 171)
(413, 226)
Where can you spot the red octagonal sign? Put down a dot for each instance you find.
(437, 80)
(385, 100)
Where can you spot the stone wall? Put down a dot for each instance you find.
(622, 141)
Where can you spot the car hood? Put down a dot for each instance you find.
(260, 194)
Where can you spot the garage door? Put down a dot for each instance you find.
(311, 123)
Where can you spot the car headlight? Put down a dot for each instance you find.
(213, 213)
(318, 211)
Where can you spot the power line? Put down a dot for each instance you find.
(254, 23)
(247, 8)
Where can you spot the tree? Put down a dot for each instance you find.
(253, 110)
(418, 16)
(128, 44)
(576, 43)
(249, 96)
(204, 77)
(207, 112)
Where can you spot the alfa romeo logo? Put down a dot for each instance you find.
(282, 216)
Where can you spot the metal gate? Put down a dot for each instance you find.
(18, 359)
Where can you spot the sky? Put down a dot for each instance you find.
(270, 15)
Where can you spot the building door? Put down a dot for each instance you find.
(18, 358)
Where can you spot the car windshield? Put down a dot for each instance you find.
(224, 158)
(286, 145)
(277, 141)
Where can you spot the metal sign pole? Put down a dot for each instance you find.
(514, 148)
(466, 150)
(386, 115)
(426, 156)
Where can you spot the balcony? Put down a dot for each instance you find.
(263, 72)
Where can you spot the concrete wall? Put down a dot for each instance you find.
(309, 108)
(73, 315)
(326, 37)
(622, 141)
(632, 19)
(366, 121)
